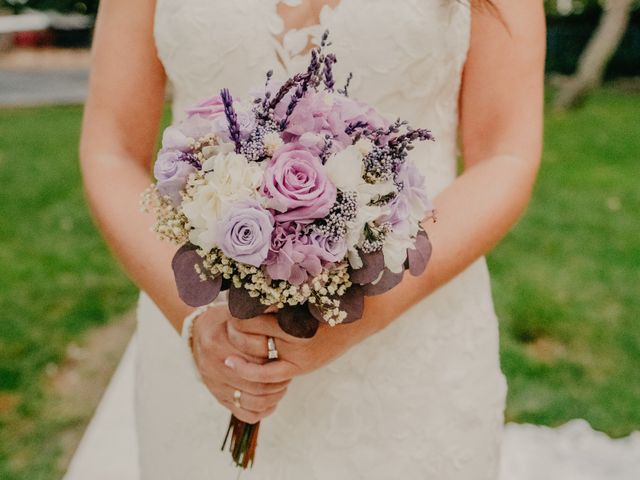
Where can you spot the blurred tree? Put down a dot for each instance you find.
(596, 55)
(66, 6)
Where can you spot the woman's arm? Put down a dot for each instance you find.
(120, 127)
(119, 131)
(501, 106)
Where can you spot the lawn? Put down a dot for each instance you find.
(565, 280)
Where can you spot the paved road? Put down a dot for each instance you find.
(42, 87)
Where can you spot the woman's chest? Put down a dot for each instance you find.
(392, 46)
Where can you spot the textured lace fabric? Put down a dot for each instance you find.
(424, 398)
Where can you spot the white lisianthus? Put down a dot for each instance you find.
(344, 168)
(233, 176)
(395, 251)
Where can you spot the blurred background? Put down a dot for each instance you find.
(566, 280)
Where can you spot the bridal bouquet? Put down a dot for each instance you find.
(296, 197)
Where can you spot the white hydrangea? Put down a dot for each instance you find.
(230, 177)
(234, 177)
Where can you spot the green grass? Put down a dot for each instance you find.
(566, 280)
(57, 278)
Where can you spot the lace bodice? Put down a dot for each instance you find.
(406, 57)
(421, 399)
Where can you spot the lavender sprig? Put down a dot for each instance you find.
(232, 118)
(411, 136)
(326, 148)
(327, 73)
(352, 127)
(286, 87)
(345, 90)
(191, 159)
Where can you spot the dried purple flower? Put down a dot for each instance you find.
(327, 73)
(232, 118)
(345, 90)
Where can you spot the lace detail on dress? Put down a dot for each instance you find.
(422, 399)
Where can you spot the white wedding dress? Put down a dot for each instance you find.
(422, 399)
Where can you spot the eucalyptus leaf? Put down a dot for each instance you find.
(244, 306)
(297, 321)
(387, 281)
(192, 289)
(372, 265)
(418, 256)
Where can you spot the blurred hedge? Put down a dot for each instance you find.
(568, 35)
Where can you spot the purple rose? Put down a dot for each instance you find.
(297, 185)
(292, 257)
(209, 108)
(173, 138)
(330, 249)
(172, 173)
(245, 233)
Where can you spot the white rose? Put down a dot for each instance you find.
(364, 146)
(344, 168)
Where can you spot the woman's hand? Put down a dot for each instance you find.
(296, 356)
(211, 346)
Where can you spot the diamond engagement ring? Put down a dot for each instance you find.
(236, 398)
(271, 348)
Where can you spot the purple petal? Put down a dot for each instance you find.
(244, 306)
(191, 288)
(297, 321)
(372, 265)
(386, 283)
(418, 257)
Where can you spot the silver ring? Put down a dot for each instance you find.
(271, 348)
(236, 398)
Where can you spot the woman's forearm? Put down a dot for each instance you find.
(113, 186)
(473, 214)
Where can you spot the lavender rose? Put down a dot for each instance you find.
(330, 249)
(172, 172)
(297, 185)
(245, 233)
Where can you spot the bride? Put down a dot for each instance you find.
(413, 390)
